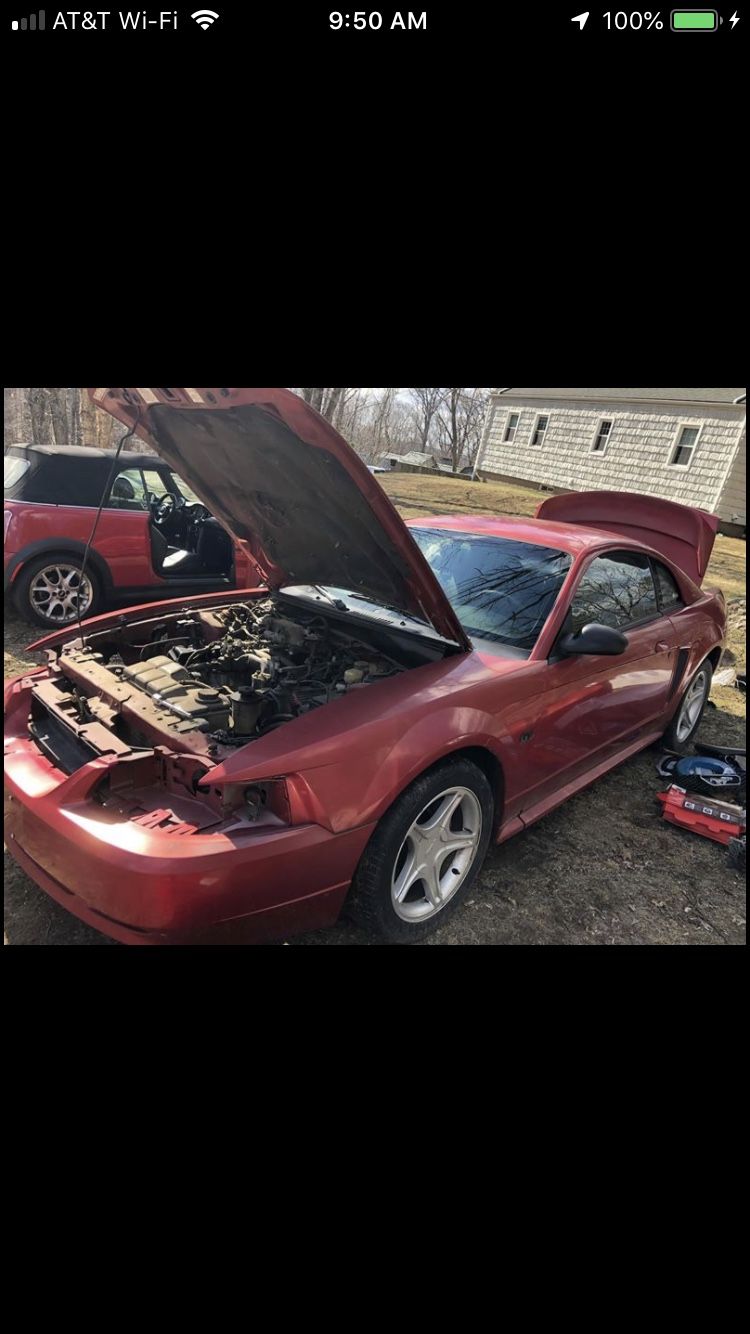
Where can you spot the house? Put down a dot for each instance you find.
(686, 445)
(415, 461)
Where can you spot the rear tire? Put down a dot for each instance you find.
(425, 854)
(686, 723)
(46, 591)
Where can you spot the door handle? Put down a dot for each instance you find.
(661, 648)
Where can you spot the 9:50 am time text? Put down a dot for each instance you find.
(362, 21)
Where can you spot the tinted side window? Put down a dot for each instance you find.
(617, 590)
(669, 593)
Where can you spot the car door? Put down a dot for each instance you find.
(592, 708)
(123, 533)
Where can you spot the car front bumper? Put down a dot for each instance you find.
(149, 886)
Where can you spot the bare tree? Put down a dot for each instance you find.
(41, 421)
(60, 417)
(57, 402)
(427, 404)
(460, 424)
(17, 416)
(325, 401)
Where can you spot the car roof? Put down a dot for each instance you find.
(84, 452)
(570, 537)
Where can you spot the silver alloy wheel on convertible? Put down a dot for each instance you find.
(55, 591)
(692, 707)
(436, 855)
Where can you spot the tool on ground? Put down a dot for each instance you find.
(721, 774)
(720, 821)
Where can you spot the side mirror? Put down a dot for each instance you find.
(596, 640)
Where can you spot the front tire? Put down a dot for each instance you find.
(686, 722)
(47, 591)
(425, 855)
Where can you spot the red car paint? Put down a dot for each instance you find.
(121, 555)
(685, 536)
(548, 727)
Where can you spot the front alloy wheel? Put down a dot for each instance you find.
(60, 594)
(437, 855)
(425, 854)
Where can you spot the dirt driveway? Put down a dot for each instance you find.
(604, 869)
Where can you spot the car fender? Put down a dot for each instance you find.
(371, 767)
(65, 546)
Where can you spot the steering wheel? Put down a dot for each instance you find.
(165, 508)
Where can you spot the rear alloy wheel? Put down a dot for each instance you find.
(688, 719)
(425, 854)
(53, 592)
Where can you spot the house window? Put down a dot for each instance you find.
(602, 438)
(540, 431)
(512, 427)
(682, 455)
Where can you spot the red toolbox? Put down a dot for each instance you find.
(711, 819)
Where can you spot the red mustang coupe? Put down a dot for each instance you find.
(357, 732)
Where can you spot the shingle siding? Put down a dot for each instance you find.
(734, 498)
(624, 395)
(637, 457)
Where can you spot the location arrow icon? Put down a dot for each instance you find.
(581, 18)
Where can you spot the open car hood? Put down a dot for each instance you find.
(290, 490)
(683, 535)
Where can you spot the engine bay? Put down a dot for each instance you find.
(242, 672)
(208, 681)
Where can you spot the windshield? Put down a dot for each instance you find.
(185, 490)
(15, 469)
(502, 591)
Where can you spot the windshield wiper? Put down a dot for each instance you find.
(323, 592)
(390, 606)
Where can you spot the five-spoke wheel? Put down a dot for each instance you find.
(437, 855)
(425, 854)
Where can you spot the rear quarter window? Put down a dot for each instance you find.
(670, 596)
(15, 469)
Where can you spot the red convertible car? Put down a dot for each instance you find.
(356, 732)
(153, 540)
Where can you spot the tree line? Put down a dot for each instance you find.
(445, 422)
(57, 417)
(377, 422)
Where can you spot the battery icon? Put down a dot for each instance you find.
(695, 20)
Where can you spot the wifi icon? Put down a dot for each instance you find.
(205, 17)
